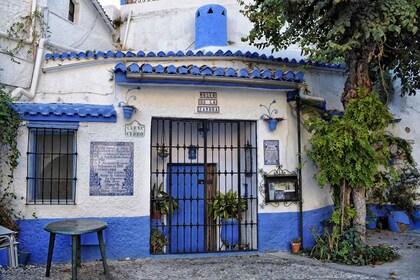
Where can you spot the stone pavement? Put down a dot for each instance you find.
(273, 265)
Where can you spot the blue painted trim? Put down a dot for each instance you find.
(129, 236)
(68, 125)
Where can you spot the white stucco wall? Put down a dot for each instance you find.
(89, 83)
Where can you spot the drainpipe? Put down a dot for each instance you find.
(31, 28)
(126, 29)
(37, 69)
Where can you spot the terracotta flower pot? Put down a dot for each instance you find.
(295, 247)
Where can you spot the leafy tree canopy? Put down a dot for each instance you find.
(382, 31)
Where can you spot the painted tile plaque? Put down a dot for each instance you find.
(111, 168)
(271, 152)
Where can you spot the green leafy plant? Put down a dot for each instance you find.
(158, 241)
(227, 205)
(161, 201)
(297, 240)
(348, 248)
(9, 125)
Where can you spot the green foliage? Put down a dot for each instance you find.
(9, 125)
(348, 248)
(334, 29)
(226, 206)
(352, 148)
(20, 31)
(158, 241)
(161, 200)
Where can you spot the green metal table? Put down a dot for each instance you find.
(75, 228)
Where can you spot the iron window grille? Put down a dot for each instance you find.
(192, 162)
(52, 155)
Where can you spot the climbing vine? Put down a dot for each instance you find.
(32, 25)
(9, 125)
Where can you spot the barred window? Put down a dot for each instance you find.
(71, 11)
(51, 166)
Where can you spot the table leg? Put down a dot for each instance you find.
(74, 257)
(50, 253)
(79, 261)
(102, 248)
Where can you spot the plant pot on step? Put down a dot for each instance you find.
(398, 221)
(230, 232)
(295, 245)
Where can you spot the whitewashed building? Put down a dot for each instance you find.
(195, 131)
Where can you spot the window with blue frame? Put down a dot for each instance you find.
(52, 154)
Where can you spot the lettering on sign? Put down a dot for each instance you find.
(111, 168)
(134, 129)
(207, 103)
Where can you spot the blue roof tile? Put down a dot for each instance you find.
(255, 74)
(171, 69)
(120, 67)
(109, 54)
(134, 68)
(64, 55)
(147, 68)
(56, 56)
(66, 112)
(100, 54)
(243, 73)
(230, 72)
(160, 69)
(182, 70)
(219, 72)
(119, 54)
(206, 71)
(238, 53)
(278, 75)
(266, 74)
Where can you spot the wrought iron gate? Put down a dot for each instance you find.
(203, 186)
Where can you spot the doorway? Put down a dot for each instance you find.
(193, 162)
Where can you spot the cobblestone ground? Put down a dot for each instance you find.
(261, 266)
(275, 265)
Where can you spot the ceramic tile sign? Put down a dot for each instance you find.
(271, 152)
(207, 102)
(111, 168)
(134, 129)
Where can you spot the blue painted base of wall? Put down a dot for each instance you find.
(129, 237)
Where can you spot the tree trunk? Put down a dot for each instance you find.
(360, 205)
(357, 61)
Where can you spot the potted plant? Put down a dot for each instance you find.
(269, 116)
(227, 207)
(162, 203)
(402, 195)
(296, 244)
(128, 109)
(158, 241)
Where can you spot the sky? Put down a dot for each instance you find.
(110, 2)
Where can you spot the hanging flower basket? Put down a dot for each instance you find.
(128, 111)
(269, 116)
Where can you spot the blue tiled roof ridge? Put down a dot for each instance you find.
(65, 109)
(204, 70)
(179, 54)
